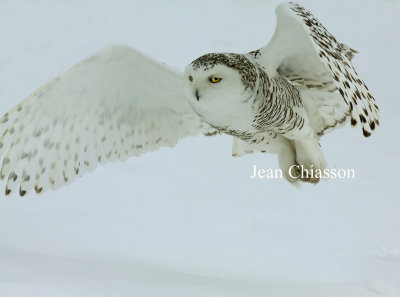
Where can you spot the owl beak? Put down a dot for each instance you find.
(197, 95)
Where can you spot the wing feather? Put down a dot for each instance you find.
(115, 104)
(306, 53)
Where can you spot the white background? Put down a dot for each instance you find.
(189, 221)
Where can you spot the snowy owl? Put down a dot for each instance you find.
(118, 103)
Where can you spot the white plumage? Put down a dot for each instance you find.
(115, 104)
(119, 103)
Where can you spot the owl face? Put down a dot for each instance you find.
(215, 90)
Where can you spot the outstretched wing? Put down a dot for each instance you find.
(307, 54)
(115, 104)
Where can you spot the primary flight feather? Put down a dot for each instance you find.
(118, 103)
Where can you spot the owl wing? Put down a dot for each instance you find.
(113, 105)
(305, 53)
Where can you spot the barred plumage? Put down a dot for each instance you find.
(119, 103)
(305, 87)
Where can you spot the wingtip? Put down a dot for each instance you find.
(38, 189)
(372, 125)
(367, 128)
(366, 133)
(22, 192)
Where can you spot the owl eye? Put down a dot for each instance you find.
(214, 80)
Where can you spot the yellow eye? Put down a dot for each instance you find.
(214, 80)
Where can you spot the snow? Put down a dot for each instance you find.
(189, 221)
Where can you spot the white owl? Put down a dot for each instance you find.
(118, 103)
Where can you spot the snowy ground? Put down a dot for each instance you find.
(189, 222)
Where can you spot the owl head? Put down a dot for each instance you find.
(219, 85)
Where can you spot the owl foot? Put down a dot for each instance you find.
(310, 160)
